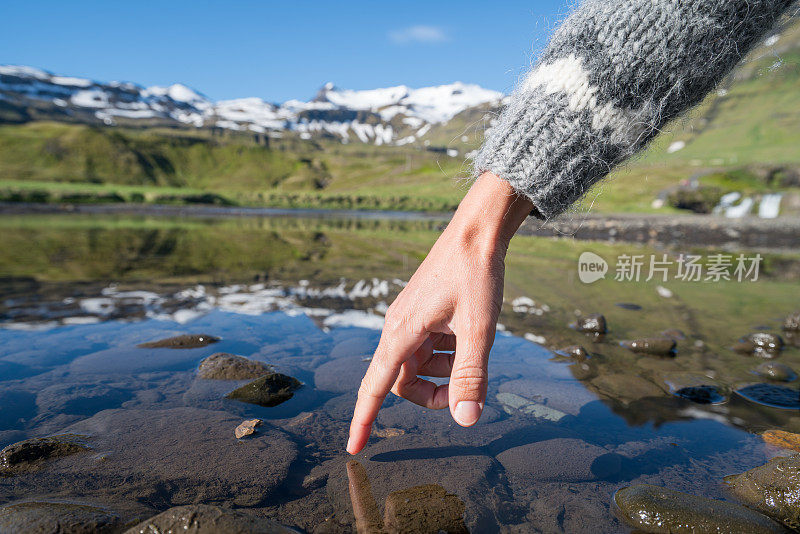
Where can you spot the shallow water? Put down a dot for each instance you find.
(556, 440)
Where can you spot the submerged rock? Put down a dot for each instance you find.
(186, 341)
(28, 454)
(628, 306)
(785, 440)
(223, 366)
(427, 508)
(771, 395)
(673, 333)
(776, 371)
(655, 346)
(388, 432)
(574, 352)
(659, 510)
(704, 394)
(57, 518)
(270, 390)
(559, 460)
(247, 428)
(515, 403)
(591, 324)
(205, 519)
(792, 322)
(773, 488)
(761, 344)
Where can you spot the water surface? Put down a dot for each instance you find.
(557, 437)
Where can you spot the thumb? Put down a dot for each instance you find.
(470, 376)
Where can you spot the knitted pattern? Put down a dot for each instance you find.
(613, 74)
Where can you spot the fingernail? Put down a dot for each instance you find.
(347, 447)
(467, 413)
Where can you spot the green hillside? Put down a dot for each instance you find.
(744, 137)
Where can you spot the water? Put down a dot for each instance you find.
(557, 438)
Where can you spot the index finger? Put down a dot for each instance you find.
(396, 346)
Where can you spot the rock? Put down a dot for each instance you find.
(704, 394)
(655, 346)
(223, 366)
(57, 518)
(761, 344)
(270, 390)
(29, 454)
(792, 322)
(628, 306)
(659, 510)
(342, 375)
(785, 440)
(566, 396)
(673, 333)
(171, 457)
(247, 428)
(625, 387)
(591, 324)
(205, 519)
(773, 488)
(388, 432)
(776, 371)
(514, 403)
(186, 341)
(574, 352)
(771, 395)
(80, 399)
(560, 460)
(427, 508)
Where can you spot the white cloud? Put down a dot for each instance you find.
(419, 34)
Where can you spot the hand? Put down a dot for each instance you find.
(450, 304)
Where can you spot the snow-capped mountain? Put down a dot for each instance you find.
(393, 115)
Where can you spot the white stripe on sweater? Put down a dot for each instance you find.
(567, 75)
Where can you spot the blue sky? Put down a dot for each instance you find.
(280, 50)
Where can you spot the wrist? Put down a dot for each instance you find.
(490, 213)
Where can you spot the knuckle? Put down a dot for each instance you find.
(471, 378)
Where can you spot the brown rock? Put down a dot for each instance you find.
(591, 324)
(427, 508)
(389, 432)
(223, 366)
(247, 428)
(269, 390)
(205, 519)
(659, 510)
(57, 518)
(186, 341)
(785, 440)
(792, 322)
(773, 489)
(654, 346)
(29, 454)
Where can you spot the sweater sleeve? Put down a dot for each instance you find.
(614, 72)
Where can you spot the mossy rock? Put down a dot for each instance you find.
(269, 390)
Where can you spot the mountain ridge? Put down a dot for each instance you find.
(390, 115)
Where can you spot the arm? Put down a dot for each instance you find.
(612, 75)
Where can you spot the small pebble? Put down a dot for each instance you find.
(776, 371)
(591, 324)
(656, 346)
(247, 428)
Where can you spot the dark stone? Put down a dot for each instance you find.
(187, 341)
(559, 460)
(773, 488)
(28, 454)
(655, 346)
(628, 306)
(427, 508)
(776, 371)
(659, 510)
(771, 395)
(57, 518)
(205, 519)
(591, 324)
(574, 352)
(761, 344)
(222, 366)
(792, 322)
(269, 390)
(700, 394)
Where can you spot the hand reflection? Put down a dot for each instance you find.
(427, 508)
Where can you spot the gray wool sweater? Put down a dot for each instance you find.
(614, 72)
